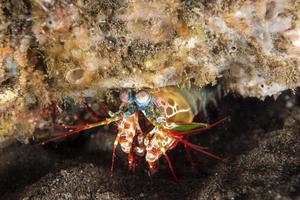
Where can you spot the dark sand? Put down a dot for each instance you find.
(260, 141)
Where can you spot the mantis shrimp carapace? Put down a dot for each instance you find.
(170, 112)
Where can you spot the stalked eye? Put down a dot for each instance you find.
(125, 96)
(142, 98)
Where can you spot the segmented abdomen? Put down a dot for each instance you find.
(181, 104)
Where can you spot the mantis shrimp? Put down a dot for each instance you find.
(169, 110)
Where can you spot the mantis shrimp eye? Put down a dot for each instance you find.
(125, 96)
(142, 98)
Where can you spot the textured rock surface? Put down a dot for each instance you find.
(52, 49)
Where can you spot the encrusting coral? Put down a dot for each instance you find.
(51, 50)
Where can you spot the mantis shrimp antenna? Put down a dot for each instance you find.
(78, 129)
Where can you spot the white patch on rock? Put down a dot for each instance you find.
(7, 97)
